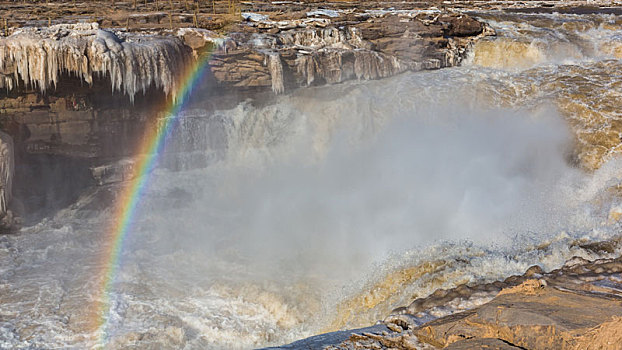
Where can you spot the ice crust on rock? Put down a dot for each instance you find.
(323, 12)
(254, 17)
(38, 57)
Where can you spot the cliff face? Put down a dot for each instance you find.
(82, 91)
(344, 46)
(79, 91)
(258, 54)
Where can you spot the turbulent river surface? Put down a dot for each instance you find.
(328, 208)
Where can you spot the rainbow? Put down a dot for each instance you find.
(149, 150)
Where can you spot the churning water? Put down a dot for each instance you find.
(331, 206)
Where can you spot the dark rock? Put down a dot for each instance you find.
(461, 25)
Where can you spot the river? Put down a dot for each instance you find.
(329, 207)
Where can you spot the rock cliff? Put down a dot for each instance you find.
(261, 53)
(344, 46)
(82, 91)
(79, 91)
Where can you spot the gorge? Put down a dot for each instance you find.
(331, 166)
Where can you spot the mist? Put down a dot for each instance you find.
(309, 189)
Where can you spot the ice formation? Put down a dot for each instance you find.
(276, 73)
(37, 57)
(336, 55)
(6, 171)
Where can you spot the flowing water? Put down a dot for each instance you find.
(327, 208)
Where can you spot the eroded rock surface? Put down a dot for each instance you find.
(576, 307)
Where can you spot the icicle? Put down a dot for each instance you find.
(305, 66)
(276, 72)
(37, 57)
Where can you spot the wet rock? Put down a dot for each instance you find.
(198, 39)
(384, 340)
(402, 322)
(461, 25)
(330, 340)
(555, 311)
(601, 247)
(534, 271)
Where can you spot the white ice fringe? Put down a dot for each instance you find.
(39, 56)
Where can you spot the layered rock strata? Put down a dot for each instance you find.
(341, 46)
(80, 91)
(83, 91)
(262, 53)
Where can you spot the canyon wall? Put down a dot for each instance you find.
(80, 91)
